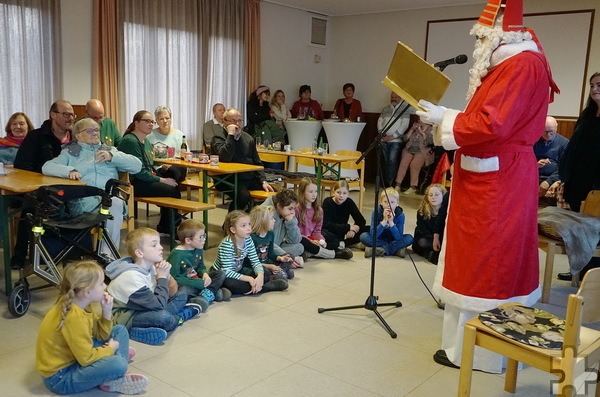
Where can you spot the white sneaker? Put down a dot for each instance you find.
(410, 191)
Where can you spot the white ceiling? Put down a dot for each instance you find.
(357, 7)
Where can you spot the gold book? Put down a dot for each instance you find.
(412, 78)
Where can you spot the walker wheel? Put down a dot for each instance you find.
(19, 299)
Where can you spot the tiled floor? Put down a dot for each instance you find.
(277, 344)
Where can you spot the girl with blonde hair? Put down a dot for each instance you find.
(77, 349)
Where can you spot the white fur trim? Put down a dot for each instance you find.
(505, 51)
(475, 164)
(446, 129)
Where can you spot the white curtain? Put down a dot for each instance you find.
(184, 54)
(31, 62)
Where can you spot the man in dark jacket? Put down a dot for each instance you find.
(39, 146)
(233, 145)
(45, 143)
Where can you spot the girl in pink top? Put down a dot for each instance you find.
(310, 222)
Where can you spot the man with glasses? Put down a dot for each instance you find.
(233, 145)
(109, 133)
(45, 143)
(549, 150)
(39, 146)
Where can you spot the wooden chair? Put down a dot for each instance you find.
(580, 351)
(307, 162)
(274, 158)
(350, 165)
(129, 222)
(553, 246)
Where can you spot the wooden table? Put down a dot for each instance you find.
(323, 163)
(211, 170)
(16, 183)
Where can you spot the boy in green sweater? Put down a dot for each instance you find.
(188, 269)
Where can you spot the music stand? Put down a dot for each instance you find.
(371, 302)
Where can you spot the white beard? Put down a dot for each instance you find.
(489, 39)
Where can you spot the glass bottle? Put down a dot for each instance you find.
(184, 148)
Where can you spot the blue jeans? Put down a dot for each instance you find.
(167, 319)
(76, 378)
(391, 157)
(390, 246)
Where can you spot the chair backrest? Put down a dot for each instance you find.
(590, 291)
(303, 160)
(591, 205)
(577, 312)
(351, 165)
(273, 157)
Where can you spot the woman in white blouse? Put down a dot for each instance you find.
(280, 111)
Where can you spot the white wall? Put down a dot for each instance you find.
(361, 47)
(288, 59)
(76, 24)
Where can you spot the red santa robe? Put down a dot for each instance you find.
(490, 255)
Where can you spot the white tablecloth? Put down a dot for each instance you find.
(343, 136)
(301, 134)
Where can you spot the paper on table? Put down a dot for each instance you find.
(412, 78)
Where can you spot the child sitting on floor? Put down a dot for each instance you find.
(140, 286)
(337, 211)
(278, 263)
(236, 257)
(310, 221)
(187, 266)
(387, 224)
(427, 215)
(78, 349)
(286, 233)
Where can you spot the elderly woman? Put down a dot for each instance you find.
(17, 127)
(418, 152)
(348, 108)
(147, 183)
(171, 137)
(88, 160)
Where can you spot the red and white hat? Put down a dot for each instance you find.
(513, 14)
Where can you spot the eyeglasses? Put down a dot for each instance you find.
(66, 115)
(235, 121)
(201, 238)
(148, 121)
(92, 130)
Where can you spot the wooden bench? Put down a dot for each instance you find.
(260, 195)
(182, 206)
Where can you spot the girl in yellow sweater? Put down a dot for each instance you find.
(77, 349)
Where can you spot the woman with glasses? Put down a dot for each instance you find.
(16, 129)
(89, 161)
(147, 183)
(169, 136)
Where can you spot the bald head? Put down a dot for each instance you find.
(94, 109)
(550, 129)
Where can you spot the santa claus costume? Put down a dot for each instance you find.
(489, 254)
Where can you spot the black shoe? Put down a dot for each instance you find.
(344, 253)
(441, 358)
(565, 276)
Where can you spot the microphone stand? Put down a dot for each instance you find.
(371, 302)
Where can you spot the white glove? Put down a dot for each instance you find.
(432, 114)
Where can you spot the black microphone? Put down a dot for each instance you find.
(459, 59)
